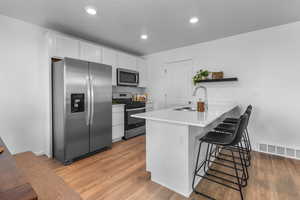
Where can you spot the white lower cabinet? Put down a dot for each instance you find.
(117, 133)
(118, 118)
(117, 122)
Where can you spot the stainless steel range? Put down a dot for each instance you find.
(133, 126)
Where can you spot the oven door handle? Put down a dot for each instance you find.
(134, 109)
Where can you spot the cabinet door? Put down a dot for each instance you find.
(142, 68)
(109, 57)
(117, 118)
(117, 132)
(90, 52)
(66, 47)
(127, 61)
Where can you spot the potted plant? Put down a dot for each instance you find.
(200, 75)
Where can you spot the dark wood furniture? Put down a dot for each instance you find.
(43, 179)
(13, 184)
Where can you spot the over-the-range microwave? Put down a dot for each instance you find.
(126, 77)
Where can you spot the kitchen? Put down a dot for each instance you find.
(84, 120)
(257, 54)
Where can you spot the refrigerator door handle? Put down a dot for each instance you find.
(88, 101)
(92, 101)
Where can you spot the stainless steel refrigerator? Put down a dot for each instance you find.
(82, 108)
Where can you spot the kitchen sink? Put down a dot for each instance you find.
(185, 109)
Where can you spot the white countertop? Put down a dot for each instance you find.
(191, 118)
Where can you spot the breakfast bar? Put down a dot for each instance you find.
(172, 142)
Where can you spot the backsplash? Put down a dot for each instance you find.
(133, 90)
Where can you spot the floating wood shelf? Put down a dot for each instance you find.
(218, 80)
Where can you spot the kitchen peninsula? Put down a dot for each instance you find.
(172, 142)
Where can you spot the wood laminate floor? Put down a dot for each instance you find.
(119, 174)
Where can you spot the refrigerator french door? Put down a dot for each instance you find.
(101, 106)
(82, 108)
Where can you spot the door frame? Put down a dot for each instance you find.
(164, 71)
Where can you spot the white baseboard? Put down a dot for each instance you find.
(39, 153)
(117, 140)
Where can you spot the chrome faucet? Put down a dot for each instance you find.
(205, 95)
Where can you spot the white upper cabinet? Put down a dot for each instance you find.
(109, 57)
(61, 46)
(66, 47)
(127, 61)
(90, 52)
(142, 68)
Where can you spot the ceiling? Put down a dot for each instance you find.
(119, 23)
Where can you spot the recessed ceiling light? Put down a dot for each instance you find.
(194, 20)
(91, 10)
(144, 37)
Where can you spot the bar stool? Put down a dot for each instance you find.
(234, 121)
(232, 143)
(229, 126)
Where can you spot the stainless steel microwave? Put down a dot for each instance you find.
(126, 77)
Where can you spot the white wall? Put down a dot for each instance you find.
(267, 63)
(24, 86)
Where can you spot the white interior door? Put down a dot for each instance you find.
(178, 82)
